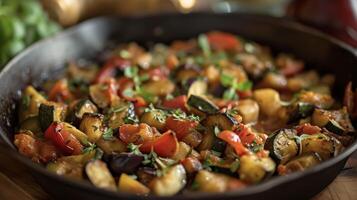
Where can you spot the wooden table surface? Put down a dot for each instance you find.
(16, 183)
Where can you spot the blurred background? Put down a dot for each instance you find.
(23, 22)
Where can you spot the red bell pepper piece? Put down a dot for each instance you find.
(178, 102)
(181, 127)
(233, 139)
(109, 68)
(60, 91)
(308, 129)
(223, 41)
(165, 146)
(247, 137)
(63, 140)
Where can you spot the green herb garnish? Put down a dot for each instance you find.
(108, 134)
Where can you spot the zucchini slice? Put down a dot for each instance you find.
(319, 143)
(31, 100)
(99, 174)
(50, 112)
(92, 126)
(301, 110)
(31, 123)
(334, 127)
(253, 169)
(282, 145)
(301, 163)
(201, 104)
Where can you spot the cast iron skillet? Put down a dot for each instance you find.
(46, 59)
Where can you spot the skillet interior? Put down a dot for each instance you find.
(46, 58)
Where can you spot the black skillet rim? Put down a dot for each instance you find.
(251, 190)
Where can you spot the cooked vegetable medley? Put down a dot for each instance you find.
(210, 114)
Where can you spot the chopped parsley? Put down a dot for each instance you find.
(26, 101)
(89, 148)
(180, 115)
(134, 149)
(234, 166)
(108, 134)
(204, 45)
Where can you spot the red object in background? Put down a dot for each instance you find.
(336, 17)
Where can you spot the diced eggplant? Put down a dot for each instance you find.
(125, 163)
(220, 120)
(202, 104)
(254, 169)
(85, 73)
(160, 87)
(99, 174)
(111, 146)
(301, 163)
(170, 183)
(80, 108)
(130, 185)
(146, 174)
(92, 126)
(301, 110)
(82, 137)
(99, 95)
(282, 145)
(334, 127)
(194, 138)
(117, 115)
(155, 118)
(31, 100)
(31, 123)
(318, 143)
(50, 112)
(197, 88)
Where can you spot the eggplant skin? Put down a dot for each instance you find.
(125, 163)
(221, 120)
(282, 145)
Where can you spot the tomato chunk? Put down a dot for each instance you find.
(176, 103)
(181, 127)
(308, 129)
(233, 139)
(110, 67)
(134, 133)
(63, 140)
(223, 41)
(60, 91)
(165, 146)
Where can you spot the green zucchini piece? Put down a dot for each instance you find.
(282, 145)
(301, 110)
(302, 162)
(92, 126)
(253, 169)
(334, 127)
(99, 174)
(30, 102)
(32, 124)
(50, 112)
(202, 104)
(319, 143)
